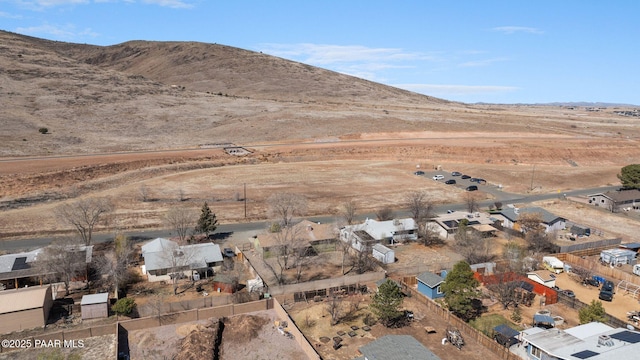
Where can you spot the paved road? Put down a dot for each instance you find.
(226, 230)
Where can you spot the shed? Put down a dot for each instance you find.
(617, 256)
(383, 254)
(429, 285)
(580, 230)
(24, 308)
(95, 306)
(543, 277)
(505, 335)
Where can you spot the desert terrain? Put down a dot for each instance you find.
(158, 115)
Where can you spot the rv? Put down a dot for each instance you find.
(553, 264)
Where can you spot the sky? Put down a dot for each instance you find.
(489, 51)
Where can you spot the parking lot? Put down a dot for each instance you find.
(463, 181)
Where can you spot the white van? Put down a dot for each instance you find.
(438, 177)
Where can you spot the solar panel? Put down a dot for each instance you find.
(585, 354)
(627, 336)
(20, 263)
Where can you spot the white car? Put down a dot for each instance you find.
(438, 177)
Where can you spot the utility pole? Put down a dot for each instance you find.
(245, 200)
(532, 173)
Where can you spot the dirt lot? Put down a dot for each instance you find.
(94, 348)
(314, 321)
(246, 336)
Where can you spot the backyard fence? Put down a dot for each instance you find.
(596, 268)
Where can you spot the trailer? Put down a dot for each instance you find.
(617, 257)
(553, 264)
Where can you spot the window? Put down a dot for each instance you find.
(537, 353)
(439, 289)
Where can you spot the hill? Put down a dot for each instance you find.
(148, 95)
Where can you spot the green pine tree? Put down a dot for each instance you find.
(592, 312)
(207, 223)
(460, 290)
(386, 302)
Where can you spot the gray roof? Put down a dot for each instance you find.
(547, 217)
(381, 249)
(430, 279)
(396, 347)
(158, 245)
(195, 256)
(95, 299)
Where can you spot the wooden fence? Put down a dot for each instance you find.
(467, 331)
(597, 269)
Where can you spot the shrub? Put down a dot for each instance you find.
(124, 306)
(43, 130)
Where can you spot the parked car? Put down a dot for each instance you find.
(438, 177)
(472, 188)
(228, 252)
(456, 173)
(466, 177)
(420, 172)
(450, 182)
(568, 293)
(606, 292)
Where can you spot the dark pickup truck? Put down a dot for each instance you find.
(606, 292)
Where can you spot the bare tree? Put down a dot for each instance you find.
(421, 209)
(287, 250)
(504, 289)
(471, 245)
(534, 232)
(348, 211)
(63, 261)
(472, 202)
(285, 206)
(430, 235)
(384, 214)
(143, 191)
(114, 265)
(84, 215)
(362, 260)
(181, 220)
(333, 307)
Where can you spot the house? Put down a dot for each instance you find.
(396, 347)
(446, 225)
(544, 277)
(165, 258)
(20, 270)
(618, 256)
(371, 232)
(24, 308)
(550, 221)
(304, 234)
(429, 284)
(593, 341)
(383, 254)
(616, 201)
(95, 306)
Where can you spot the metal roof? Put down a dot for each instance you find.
(397, 347)
(100, 298)
(195, 256)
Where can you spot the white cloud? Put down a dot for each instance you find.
(7, 15)
(68, 32)
(177, 4)
(449, 90)
(42, 4)
(322, 54)
(515, 29)
(479, 63)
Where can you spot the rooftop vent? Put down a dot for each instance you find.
(605, 340)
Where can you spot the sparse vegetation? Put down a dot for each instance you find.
(124, 306)
(43, 130)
